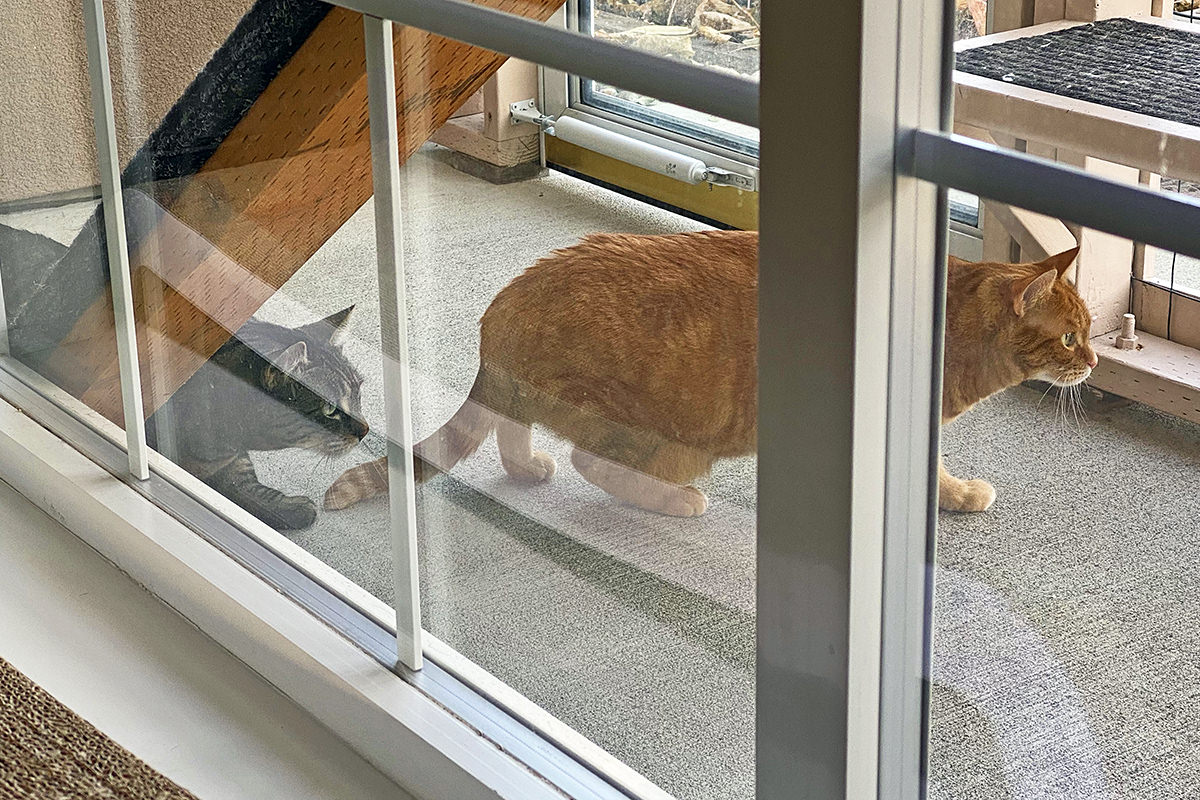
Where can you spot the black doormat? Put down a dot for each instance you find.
(1133, 66)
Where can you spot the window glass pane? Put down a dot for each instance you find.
(633, 625)
(1062, 612)
(617, 592)
(714, 34)
(53, 264)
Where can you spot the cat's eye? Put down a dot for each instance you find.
(329, 410)
(1068, 340)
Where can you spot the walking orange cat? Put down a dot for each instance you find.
(641, 351)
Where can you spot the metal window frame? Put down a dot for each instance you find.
(842, 592)
(389, 255)
(113, 205)
(1170, 221)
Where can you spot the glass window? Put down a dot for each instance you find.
(596, 555)
(1057, 659)
(1052, 669)
(53, 261)
(579, 567)
(711, 33)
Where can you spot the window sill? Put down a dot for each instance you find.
(405, 734)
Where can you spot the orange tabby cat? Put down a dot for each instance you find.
(641, 351)
(1007, 323)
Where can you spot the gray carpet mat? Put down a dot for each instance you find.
(1133, 66)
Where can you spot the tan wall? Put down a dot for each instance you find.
(156, 48)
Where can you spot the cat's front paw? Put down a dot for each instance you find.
(293, 514)
(968, 496)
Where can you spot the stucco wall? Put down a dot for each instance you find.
(156, 47)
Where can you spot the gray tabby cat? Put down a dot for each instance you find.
(267, 388)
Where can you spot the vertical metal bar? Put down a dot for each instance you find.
(114, 233)
(821, 460)
(385, 162)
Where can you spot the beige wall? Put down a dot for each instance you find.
(156, 48)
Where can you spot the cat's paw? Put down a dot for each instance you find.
(970, 496)
(539, 469)
(293, 514)
(687, 501)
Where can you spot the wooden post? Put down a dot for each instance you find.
(1012, 14)
(486, 144)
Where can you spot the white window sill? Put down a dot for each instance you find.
(409, 738)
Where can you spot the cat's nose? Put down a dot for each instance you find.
(359, 428)
(1093, 361)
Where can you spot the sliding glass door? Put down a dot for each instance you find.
(638, 493)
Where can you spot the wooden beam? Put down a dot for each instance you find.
(291, 172)
(1038, 235)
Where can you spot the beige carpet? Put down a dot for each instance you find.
(48, 751)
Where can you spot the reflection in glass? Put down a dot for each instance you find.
(634, 627)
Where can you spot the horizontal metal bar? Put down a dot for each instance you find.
(666, 79)
(1170, 221)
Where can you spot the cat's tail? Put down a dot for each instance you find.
(461, 436)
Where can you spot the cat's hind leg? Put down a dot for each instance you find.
(955, 494)
(520, 460)
(238, 481)
(645, 490)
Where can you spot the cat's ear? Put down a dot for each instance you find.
(1026, 292)
(286, 362)
(333, 329)
(292, 358)
(1060, 263)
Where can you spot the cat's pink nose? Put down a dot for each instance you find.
(1093, 361)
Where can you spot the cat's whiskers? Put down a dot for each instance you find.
(1061, 407)
(1049, 386)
